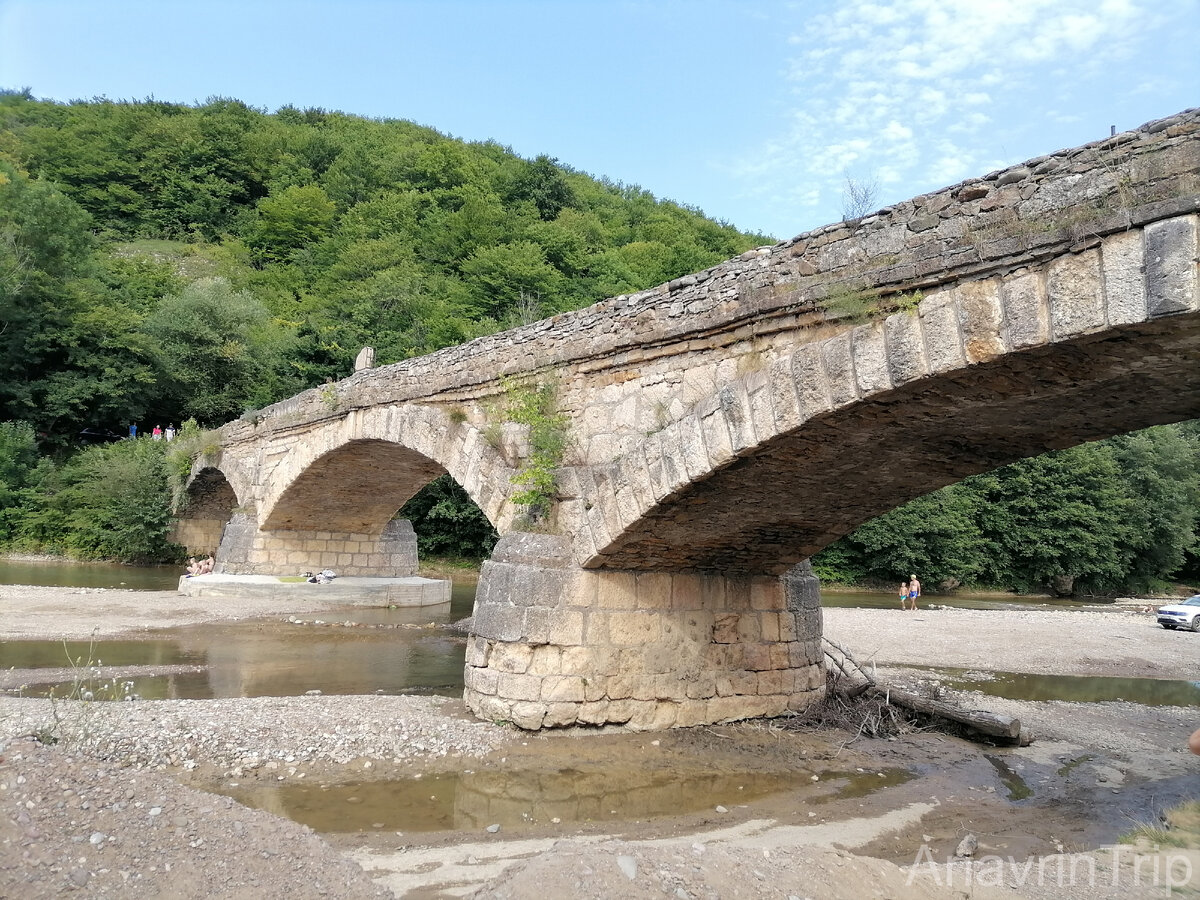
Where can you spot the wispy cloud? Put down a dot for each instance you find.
(919, 93)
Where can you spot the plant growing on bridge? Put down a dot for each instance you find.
(533, 405)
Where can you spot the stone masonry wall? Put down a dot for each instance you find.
(553, 645)
(974, 229)
(248, 551)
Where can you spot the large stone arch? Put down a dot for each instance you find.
(366, 449)
(781, 462)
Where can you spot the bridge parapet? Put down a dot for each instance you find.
(984, 226)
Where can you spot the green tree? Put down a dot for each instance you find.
(1060, 520)
(297, 216)
(448, 522)
(218, 352)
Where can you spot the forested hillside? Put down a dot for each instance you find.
(168, 264)
(165, 262)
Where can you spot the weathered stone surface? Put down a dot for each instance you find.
(724, 427)
(1171, 275)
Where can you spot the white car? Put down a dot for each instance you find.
(1185, 614)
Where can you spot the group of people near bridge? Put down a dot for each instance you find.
(909, 592)
(200, 567)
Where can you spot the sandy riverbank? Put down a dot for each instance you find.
(1094, 768)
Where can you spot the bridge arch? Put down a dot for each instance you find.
(781, 462)
(353, 473)
(211, 495)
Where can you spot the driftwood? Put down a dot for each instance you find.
(993, 724)
(858, 682)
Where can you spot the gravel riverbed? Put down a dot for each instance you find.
(113, 810)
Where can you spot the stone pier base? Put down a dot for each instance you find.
(556, 645)
(245, 550)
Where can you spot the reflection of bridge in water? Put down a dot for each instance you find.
(727, 425)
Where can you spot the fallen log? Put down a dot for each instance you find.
(994, 724)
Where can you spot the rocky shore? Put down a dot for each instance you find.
(113, 809)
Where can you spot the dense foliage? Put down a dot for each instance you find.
(1120, 514)
(161, 263)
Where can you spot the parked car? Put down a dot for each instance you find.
(1185, 614)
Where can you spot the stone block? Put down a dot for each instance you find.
(616, 590)
(1074, 289)
(744, 683)
(939, 325)
(713, 592)
(559, 715)
(566, 627)
(811, 383)
(702, 687)
(757, 656)
(1122, 260)
(762, 413)
(685, 592)
(478, 651)
(490, 709)
(483, 681)
(781, 386)
(595, 688)
(870, 359)
(717, 443)
(739, 420)
(788, 630)
(766, 594)
(691, 445)
(620, 687)
(981, 317)
(546, 660)
(837, 358)
(654, 590)
(690, 713)
(511, 658)
(580, 592)
(529, 716)
(769, 622)
(726, 709)
(780, 656)
(1026, 313)
(1171, 280)
(653, 716)
(905, 348)
(628, 629)
(748, 628)
(499, 620)
(519, 687)
(563, 688)
(725, 628)
(594, 713)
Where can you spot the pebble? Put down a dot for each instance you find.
(492, 829)
(628, 866)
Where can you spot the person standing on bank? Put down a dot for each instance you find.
(904, 595)
(914, 591)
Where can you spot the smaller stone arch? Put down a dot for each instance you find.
(209, 504)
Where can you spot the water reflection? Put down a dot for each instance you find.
(1077, 688)
(474, 800)
(266, 660)
(66, 573)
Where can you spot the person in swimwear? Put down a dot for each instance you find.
(914, 591)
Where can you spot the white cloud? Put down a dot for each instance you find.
(879, 86)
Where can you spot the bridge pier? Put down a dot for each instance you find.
(247, 550)
(557, 645)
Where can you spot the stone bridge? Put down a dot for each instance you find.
(722, 428)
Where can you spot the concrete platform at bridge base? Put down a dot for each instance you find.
(353, 590)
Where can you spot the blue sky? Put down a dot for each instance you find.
(755, 112)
